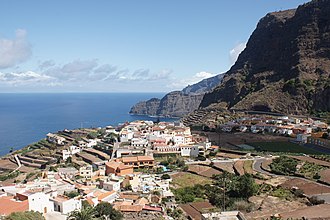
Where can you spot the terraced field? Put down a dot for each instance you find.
(203, 170)
(225, 166)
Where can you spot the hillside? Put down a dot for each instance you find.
(285, 66)
(177, 103)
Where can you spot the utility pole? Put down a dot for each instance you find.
(224, 194)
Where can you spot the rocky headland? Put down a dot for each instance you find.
(177, 103)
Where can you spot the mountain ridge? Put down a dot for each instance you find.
(285, 66)
(177, 103)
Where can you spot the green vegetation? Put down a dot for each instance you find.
(282, 147)
(173, 163)
(104, 210)
(175, 213)
(92, 135)
(189, 194)
(166, 176)
(324, 157)
(72, 194)
(87, 213)
(284, 165)
(189, 179)
(247, 166)
(9, 176)
(27, 215)
(225, 191)
(282, 193)
(311, 170)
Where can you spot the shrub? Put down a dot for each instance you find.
(315, 201)
(166, 177)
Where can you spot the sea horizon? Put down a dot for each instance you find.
(28, 117)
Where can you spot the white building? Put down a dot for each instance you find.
(189, 150)
(86, 171)
(92, 143)
(112, 185)
(82, 144)
(54, 138)
(65, 205)
(139, 142)
(179, 139)
(70, 152)
(38, 201)
(302, 138)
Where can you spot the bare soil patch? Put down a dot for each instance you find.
(309, 188)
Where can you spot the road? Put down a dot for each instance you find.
(257, 167)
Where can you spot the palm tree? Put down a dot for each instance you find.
(84, 214)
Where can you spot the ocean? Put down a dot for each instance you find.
(27, 118)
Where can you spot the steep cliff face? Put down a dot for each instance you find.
(204, 86)
(149, 107)
(177, 103)
(285, 66)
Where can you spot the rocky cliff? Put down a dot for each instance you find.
(177, 103)
(285, 66)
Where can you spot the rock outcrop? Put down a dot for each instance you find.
(177, 103)
(285, 66)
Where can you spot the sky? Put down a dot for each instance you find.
(123, 45)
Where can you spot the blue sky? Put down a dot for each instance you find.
(122, 46)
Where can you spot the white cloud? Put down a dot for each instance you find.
(234, 53)
(14, 51)
(81, 66)
(28, 77)
(161, 75)
(181, 83)
(46, 64)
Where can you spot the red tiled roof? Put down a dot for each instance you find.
(129, 208)
(151, 208)
(104, 195)
(9, 205)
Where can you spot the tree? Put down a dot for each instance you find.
(68, 160)
(128, 187)
(27, 215)
(83, 214)
(284, 165)
(92, 135)
(245, 186)
(166, 176)
(72, 194)
(105, 210)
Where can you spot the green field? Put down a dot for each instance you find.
(287, 147)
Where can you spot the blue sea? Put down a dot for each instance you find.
(27, 118)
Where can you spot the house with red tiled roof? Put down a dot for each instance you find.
(118, 168)
(9, 204)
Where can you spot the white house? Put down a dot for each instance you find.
(189, 150)
(65, 205)
(126, 135)
(53, 138)
(86, 171)
(92, 143)
(112, 185)
(179, 139)
(139, 142)
(38, 201)
(82, 144)
(71, 151)
(302, 138)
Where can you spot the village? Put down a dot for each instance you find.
(140, 167)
